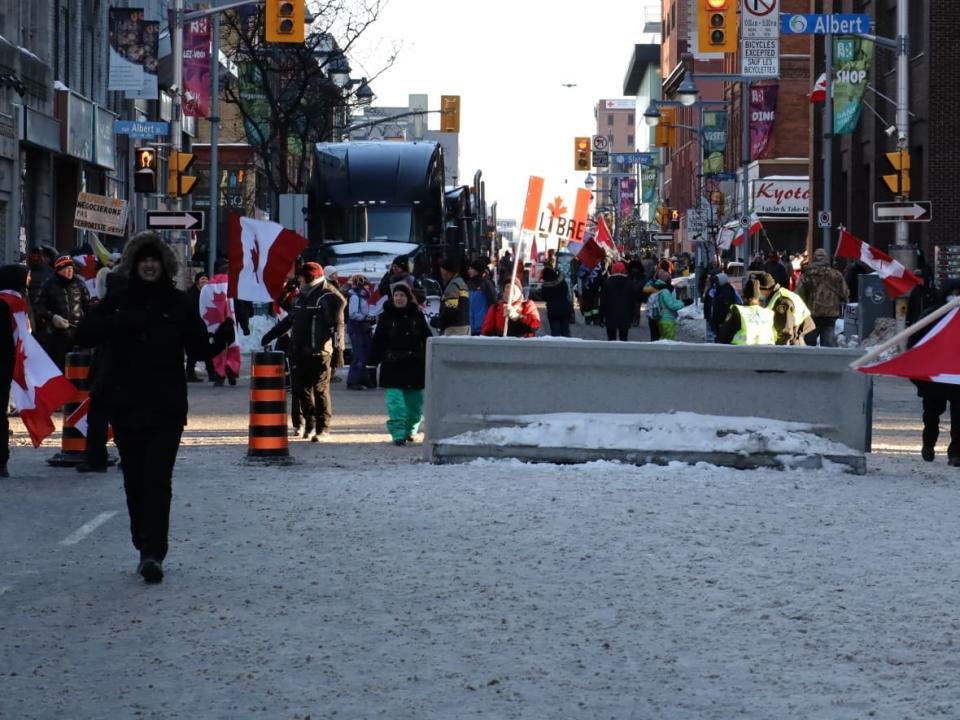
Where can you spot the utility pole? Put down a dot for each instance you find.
(903, 113)
(745, 159)
(214, 118)
(828, 140)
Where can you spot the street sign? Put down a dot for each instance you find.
(601, 158)
(169, 220)
(824, 24)
(908, 211)
(760, 38)
(634, 158)
(101, 214)
(600, 143)
(141, 130)
(824, 219)
(663, 237)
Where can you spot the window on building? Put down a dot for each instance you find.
(630, 140)
(630, 119)
(609, 119)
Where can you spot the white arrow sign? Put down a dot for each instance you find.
(906, 211)
(164, 220)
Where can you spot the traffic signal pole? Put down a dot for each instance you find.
(828, 141)
(903, 113)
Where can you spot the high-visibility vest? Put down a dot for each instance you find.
(801, 311)
(756, 326)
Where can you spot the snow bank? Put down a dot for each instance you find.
(259, 325)
(665, 432)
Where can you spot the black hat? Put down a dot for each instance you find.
(401, 260)
(450, 265)
(201, 274)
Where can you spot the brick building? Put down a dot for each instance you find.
(859, 161)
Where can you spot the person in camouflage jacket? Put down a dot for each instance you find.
(825, 292)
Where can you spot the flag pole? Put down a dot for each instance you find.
(904, 334)
(512, 281)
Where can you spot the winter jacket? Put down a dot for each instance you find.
(617, 301)
(669, 303)
(315, 323)
(400, 347)
(454, 306)
(358, 310)
(824, 291)
(145, 330)
(70, 299)
(389, 280)
(525, 326)
(556, 294)
(778, 271)
(791, 317)
(483, 294)
(725, 299)
(12, 277)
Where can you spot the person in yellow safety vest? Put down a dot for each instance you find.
(750, 324)
(792, 318)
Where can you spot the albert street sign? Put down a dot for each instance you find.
(828, 24)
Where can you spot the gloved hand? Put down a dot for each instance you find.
(265, 341)
(513, 313)
(60, 323)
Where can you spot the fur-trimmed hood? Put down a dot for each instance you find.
(144, 239)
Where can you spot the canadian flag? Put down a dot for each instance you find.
(78, 419)
(896, 278)
(819, 92)
(215, 307)
(590, 254)
(87, 268)
(934, 358)
(262, 254)
(603, 238)
(38, 388)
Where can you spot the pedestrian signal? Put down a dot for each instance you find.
(899, 184)
(450, 113)
(717, 26)
(675, 220)
(283, 21)
(145, 176)
(581, 153)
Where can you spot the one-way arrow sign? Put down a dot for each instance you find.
(908, 210)
(168, 220)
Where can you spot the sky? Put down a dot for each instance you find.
(508, 61)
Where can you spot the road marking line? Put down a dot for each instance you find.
(85, 530)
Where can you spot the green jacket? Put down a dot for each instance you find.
(669, 305)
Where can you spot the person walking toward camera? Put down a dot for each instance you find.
(359, 324)
(400, 349)
(144, 330)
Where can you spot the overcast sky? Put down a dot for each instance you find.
(508, 60)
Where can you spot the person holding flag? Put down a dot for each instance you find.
(15, 278)
(145, 329)
(519, 315)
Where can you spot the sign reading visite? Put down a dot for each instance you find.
(101, 214)
(775, 196)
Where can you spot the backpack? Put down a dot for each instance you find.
(653, 306)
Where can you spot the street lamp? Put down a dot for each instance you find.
(687, 92)
(339, 69)
(651, 116)
(364, 93)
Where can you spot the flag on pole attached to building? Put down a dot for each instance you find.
(38, 388)
(262, 254)
(933, 359)
(819, 92)
(896, 278)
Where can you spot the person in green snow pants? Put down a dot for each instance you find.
(400, 349)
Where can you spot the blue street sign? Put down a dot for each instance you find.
(635, 158)
(140, 129)
(720, 176)
(824, 24)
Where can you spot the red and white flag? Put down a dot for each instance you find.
(38, 388)
(819, 92)
(87, 269)
(934, 358)
(603, 237)
(78, 419)
(215, 307)
(262, 254)
(896, 278)
(590, 254)
(732, 234)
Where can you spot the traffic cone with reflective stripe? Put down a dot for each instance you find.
(268, 408)
(73, 443)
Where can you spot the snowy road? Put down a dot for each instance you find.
(363, 584)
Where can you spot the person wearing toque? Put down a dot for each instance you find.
(61, 305)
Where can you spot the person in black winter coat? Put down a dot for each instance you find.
(62, 303)
(145, 330)
(400, 349)
(776, 268)
(316, 327)
(12, 277)
(617, 301)
(556, 293)
(724, 299)
(193, 293)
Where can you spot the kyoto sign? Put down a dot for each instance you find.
(173, 220)
(781, 197)
(835, 24)
(101, 214)
(760, 38)
(908, 211)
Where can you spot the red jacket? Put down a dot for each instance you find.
(526, 326)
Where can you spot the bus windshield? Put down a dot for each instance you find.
(371, 224)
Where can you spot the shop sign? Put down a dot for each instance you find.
(781, 197)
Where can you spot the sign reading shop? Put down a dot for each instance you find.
(781, 196)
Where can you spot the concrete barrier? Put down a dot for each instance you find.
(474, 383)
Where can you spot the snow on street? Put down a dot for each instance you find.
(361, 583)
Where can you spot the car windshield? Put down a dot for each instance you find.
(383, 223)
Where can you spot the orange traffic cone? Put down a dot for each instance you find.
(73, 443)
(268, 408)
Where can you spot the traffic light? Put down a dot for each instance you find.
(675, 220)
(662, 215)
(450, 113)
(665, 134)
(899, 184)
(581, 153)
(283, 21)
(179, 184)
(717, 26)
(145, 176)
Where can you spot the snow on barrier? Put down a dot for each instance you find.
(560, 400)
